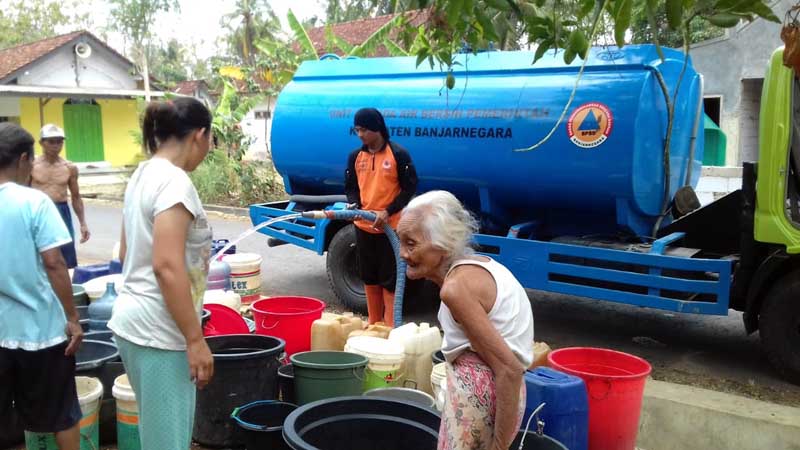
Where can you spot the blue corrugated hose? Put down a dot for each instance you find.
(353, 214)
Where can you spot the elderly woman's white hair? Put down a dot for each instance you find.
(445, 221)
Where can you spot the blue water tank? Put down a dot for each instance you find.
(601, 171)
(566, 410)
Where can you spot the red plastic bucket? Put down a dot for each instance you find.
(615, 387)
(288, 318)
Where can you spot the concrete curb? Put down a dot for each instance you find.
(232, 210)
(242, 212)
(679, 417)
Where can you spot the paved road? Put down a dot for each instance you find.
(712, 352)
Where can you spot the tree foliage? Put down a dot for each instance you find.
(170, 62)
(568, 25)
(23, 21)
(338, 11)
(642, 32)
(135, 19)
(252, 21)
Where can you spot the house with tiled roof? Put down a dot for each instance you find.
(77, 82)
(198, 89)
(357, 31)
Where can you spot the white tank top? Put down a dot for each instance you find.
(511, 316)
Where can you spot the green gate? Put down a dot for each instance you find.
(83, 125)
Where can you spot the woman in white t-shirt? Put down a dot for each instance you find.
(165, 246)
(487, 321)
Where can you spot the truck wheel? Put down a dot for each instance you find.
(779, 327)
(342, 268)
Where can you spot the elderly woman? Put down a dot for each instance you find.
(487, 321)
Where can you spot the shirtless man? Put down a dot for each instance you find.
(53, 175)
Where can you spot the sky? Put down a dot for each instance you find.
(198, 23)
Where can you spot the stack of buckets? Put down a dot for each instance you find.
(90, 391)
(127, 415)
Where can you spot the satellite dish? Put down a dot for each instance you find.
(83, 50)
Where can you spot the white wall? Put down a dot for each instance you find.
(715, 182)
(101, 70)
(259, 129)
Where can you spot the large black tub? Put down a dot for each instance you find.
(245, 370)
(361, 423)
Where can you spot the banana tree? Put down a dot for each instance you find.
(381, 36)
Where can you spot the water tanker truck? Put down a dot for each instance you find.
(602, 209)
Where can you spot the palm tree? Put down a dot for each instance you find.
(251, 21)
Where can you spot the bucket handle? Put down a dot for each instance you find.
(539, 425)
(414, 383)
(355, 374)
(235, 418)
(598, 389)
(266, 327)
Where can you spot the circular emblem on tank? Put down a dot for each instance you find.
(589, 125)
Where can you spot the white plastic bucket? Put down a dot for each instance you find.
(245, 275)
(385, 360)
(127, 415)
(90, 390)
(438, 380)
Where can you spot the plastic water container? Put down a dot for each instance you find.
(540, 353)
(127, 415)
(97, 287)
(219, 297)
(219, 276)
(615, 387)
(82, 274)
(90, 390)
(566, 412)
(418, 341)
(377, 329)
(330, 332)
(100, 310)
(385, 360)
(439, 383)
(245, 275)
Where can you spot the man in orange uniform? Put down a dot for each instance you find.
(381, 178)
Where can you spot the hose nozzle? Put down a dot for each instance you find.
(318, 214)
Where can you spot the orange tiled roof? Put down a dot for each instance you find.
(357, 31)
(15, 58)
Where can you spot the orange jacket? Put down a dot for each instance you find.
(384, 180)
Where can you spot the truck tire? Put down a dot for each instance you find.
(779, 326)
(342, 268)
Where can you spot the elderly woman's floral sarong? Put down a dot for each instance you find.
(470, 405)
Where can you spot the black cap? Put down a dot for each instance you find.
(371, 119)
